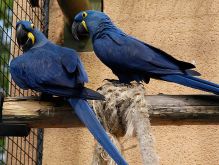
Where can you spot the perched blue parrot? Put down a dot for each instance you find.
(55, 70)
(134, 60)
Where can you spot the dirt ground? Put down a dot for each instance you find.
(189, 30)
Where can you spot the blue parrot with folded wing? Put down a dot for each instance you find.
(55, 70)
(131, 59)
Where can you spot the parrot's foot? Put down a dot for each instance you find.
(113, 81)
(140, 83)
(117, 82)
(45, 97)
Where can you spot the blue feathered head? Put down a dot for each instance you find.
(26, 24)
(27, 35)
(89, 21)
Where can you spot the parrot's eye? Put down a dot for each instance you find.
(32, 26)
(84, 14)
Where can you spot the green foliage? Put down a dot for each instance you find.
(2, 163)
(4, 73)
(2, 143)
(6, 19)
(5, 7)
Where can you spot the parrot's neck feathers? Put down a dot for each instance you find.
(104, 26)
(40, 39)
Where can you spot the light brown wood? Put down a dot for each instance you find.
(163, 109)
(39, 114)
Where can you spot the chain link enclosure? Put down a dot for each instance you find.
(19, 150)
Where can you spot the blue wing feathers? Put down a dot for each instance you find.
(50, 69)
(161, 64)
(82, 75)
(69, 62)
(14, 71)
(132, 55)
(134, 60)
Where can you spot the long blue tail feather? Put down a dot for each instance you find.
(88, 117)
(193, 82)
(204, 81)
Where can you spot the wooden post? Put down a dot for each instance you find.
(164, 109)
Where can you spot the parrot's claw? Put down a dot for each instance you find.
(45, 97)
(113, 81)
(141, 83)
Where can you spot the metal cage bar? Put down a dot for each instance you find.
(19, 150)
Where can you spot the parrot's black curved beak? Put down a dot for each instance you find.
(21, 35)
(79, 31)
(23, 38)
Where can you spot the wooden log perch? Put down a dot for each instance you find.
(55, 113)
(183, 108)
(163, 108)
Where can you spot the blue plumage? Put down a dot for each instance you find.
(45, 69)
(95, 128)
(55, 70)
(134, 60)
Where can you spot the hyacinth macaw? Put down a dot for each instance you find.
(131, 59)
(55, 70)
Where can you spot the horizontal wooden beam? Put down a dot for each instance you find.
(163, 109)
(55, 113)
(183, 109)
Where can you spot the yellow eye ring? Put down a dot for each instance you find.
(84, 14)
(32, 26)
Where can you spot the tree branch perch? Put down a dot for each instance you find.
(163, 110)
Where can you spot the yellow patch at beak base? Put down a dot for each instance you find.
(31, 36)
(84, 24)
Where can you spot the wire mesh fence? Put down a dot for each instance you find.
(19, 150)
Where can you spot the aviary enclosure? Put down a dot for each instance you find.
(19, 150)
(128, 110)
